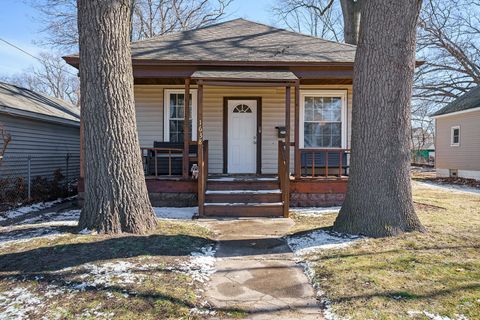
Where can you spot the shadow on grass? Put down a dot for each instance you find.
(62, 256)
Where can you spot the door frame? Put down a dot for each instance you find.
(259, 131)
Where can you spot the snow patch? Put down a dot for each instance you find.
(19, 212)
(71, 215)
(11, 236)
(448, 187)
(201, 264)
(109, 274)
(314, 211)
(186, 213)
(319, 240)
(17, 303)
(432, 316)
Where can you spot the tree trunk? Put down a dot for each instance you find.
(116, 197)
(351, 11)
(379, 198)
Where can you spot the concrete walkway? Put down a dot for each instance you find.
(256, 271)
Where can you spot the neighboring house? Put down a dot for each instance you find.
(457, 137)
(423, 147)
(249, 85)
(42, 129)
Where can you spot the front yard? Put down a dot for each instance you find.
(48, 272)
(435, 275)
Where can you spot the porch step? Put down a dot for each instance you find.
(218, 184)
(244, 209)
(243, 197)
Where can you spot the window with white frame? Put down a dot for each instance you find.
(323, 119)
(174, 114)
(455, 136)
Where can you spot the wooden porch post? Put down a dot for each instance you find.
(297, 131)
(287, 126)
(286, 187)
(201, 171)
(186, 130)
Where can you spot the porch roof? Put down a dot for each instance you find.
(245, 75)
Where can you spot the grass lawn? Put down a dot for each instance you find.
(413, 276)
(76, 276)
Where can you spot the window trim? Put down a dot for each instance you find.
(166, 113)
(452, 143)
(323, 93)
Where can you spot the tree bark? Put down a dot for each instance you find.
(116, 197)
(379, 198)
(351, 11)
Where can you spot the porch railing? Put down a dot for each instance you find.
(166, 161)
(284, 177)
(324, 163)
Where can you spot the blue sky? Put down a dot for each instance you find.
(19, 25)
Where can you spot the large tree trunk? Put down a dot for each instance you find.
(351, 11)
(379, 198)
(116, 197)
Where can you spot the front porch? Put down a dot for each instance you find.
(241, 128)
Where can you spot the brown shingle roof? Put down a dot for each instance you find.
(32, 103)
(467, 101)
(242, 40)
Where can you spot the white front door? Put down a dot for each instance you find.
(242, 136)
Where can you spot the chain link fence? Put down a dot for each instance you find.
(34, 177)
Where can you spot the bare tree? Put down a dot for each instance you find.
(322, 18)
(379, 196)
(319, 18)
(116, 196)
(6, 139)
(148, 18)
(449, 43)
(53, 77)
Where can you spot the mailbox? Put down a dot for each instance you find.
(281, 132)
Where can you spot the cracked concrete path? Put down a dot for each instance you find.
(256, 271)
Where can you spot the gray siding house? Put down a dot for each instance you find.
(44, 131)
(457, 139)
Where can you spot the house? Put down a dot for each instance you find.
(268, 122)
(457, 138)
(43, 131)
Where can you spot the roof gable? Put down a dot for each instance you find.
(469, 100)
(242, 40)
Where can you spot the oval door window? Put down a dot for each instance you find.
(242, 108)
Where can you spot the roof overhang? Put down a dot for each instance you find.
(454, 113)
(38, 116)
(74, 61)
(247, 77)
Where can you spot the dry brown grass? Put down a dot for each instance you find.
(52, 270)
(401, 277)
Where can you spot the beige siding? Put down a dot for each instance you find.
(149, 101)
(149, 113)
(466, 156)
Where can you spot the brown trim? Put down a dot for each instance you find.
(297, 132)
(201, 173)
(259, 131)
(75, 60)
(246, 84)
(186, 128)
